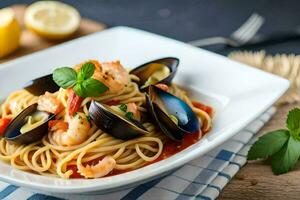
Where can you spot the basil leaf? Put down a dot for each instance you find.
(268, 144)
(86, 71)
(123, 107)
(293, 122)
(79, 90)
(93, 87)
(64, 77)
(285, 159)
(89, 118)
(129, 115)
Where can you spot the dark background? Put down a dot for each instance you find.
(187, 20)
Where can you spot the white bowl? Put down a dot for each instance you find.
(238, 93)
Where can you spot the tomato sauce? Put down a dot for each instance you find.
(75, 169)
(170, 147)
(209, 110)
(113, 102)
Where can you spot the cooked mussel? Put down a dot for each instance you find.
(173, 116)
(29, 126)
(41, 85)
(114, 124)
(157, 71)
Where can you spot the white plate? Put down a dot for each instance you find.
(238, 93)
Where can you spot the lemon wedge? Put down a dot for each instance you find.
(10, 32)
(52, 19)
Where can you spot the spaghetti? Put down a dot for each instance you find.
(52, 157)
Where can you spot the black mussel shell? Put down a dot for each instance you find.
(144, 71)
(41, 85)
(12, 132)
(162, 104)
(163, 121)
(110, 122)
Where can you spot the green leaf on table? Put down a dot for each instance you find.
(268, 144)
(293, 122)
(65, 77)
(285, 159)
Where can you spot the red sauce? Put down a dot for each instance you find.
(209, 110)
(170, 147)
(75, 173)
(75, 169)
(113, 102)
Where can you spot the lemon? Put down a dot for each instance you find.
(10, 32)
(52, 19)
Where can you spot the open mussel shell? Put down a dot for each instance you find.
(41, 85)
(13, 131)
(162, 120)
(145, 71)
(109, 121)
(162, 105)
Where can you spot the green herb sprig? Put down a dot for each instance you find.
(282, 146)
(123, 107)
(128, 115)
(82, 82)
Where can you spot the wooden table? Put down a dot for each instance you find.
(256, 180)
(30, 42)
(253, 181)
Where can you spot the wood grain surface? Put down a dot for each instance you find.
(254, 181)
(30, 42)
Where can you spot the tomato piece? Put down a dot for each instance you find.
(113, 102)
(58, 124)
(207, 109)
(3, 124)
(74, 102)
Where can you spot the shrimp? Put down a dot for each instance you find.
(74, 133)
(49, 103)
(112, 74)
(162, 86)
(131, 107)
(104, 167)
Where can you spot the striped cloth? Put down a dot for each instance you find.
(203, 178)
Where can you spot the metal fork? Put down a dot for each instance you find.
(239, 37)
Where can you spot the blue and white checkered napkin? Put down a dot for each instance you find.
(203, 178)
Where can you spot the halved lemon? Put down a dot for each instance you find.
(52, 19)
(10, 32)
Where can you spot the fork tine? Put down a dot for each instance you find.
(242, 35)
(245, 25)
(246, 28)
(252, 30)
(240, 31)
